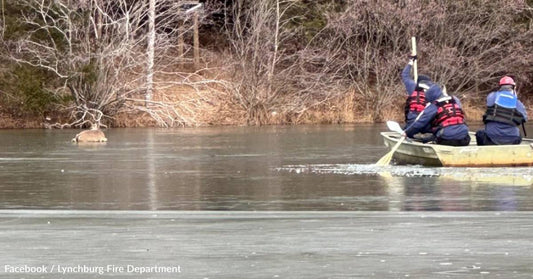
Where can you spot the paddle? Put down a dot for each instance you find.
(385, 160)
(394, 126)
(413, 53)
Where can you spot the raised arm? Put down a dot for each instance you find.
(408, 82)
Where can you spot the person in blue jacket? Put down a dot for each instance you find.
(416, 93)
(503, 116)
(445, 116)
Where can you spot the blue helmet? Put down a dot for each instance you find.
(433, 93)
(423, 77)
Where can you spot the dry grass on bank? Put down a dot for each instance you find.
(133, 120)
(346, 109)
(10, 121)
(214, 108)
(182, 106)
(473, 113)
(208, 108)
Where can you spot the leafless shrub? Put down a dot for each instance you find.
(97, 48)
(360, 47)
(466, 45)
(89, 45)
(471, 44)
(256, 35)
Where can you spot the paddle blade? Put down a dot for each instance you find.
(385, 160)
(394, 126)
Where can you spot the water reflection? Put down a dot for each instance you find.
(240, 168)
(415, 188)
(150, 162)
(438, 194)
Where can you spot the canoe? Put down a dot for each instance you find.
(431, 154)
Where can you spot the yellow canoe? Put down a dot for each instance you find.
(431, 154)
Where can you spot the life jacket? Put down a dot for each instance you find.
(448, 113)
(416, 102)
(504, 110)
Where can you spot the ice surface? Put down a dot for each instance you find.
(522, 175)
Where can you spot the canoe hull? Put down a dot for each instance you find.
(411, 153)
(460, 156)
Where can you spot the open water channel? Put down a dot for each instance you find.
(253, 202)
(318, 168)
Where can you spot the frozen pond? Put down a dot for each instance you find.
(312, 168)
(265, 244)
(248, 202)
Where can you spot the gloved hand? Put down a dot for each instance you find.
(412, 59)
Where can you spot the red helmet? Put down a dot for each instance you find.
(506, 80)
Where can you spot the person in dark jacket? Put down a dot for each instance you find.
(416, 91)
(503, 116)
(445, 116)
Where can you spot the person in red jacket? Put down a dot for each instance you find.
(445, 117)
(416, 94)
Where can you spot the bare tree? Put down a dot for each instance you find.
(89, 45)
(98, 49)
(466, 45)
(150, 51)
(471, 44)
(255, 34)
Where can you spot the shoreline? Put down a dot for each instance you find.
(140, 120)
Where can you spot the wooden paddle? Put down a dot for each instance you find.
(394, 126)
(385, 160)
(415, 64)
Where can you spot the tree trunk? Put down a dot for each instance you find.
(151, 46)
(196, 42)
